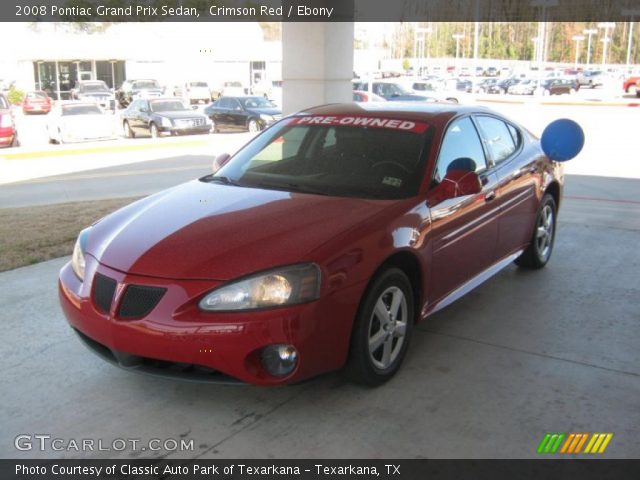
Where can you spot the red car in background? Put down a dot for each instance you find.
(36, 102)
(316, 247)
(630, 84)
(8, 131)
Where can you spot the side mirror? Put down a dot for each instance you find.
(456, 183)
(562, 140)
(220, 161)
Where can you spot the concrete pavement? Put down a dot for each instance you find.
(524, 354)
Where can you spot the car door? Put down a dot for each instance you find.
(130, 114)
(141, 117)
(237, 115)
(464, 229)
(516, 169)
(222, 115)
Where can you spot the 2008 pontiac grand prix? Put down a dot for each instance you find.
(316, 247)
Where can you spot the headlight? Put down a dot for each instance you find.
(278, 287)
(266, 118)
(165, 122)
(77, 259)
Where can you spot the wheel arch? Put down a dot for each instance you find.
(554, 190)
(407, 262)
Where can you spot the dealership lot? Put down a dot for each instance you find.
(524, 354)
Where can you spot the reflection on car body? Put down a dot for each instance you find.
(316, 247)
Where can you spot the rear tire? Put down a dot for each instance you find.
(382, 329)
(539, 251)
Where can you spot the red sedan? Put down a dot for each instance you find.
(36, 102)
(8, 132)
(316, 247)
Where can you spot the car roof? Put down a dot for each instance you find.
(435, 112)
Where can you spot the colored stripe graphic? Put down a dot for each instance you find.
(573, 443)
(550, 442)
(598, 443)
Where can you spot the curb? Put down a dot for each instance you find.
(18, 155)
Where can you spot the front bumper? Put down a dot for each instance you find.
(176, 339)
(173, 130)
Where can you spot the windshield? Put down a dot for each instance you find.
(198, 85)
(256, 102)
(69, 110)
(167, 106)
(146, 84)
(347, 156)
(391, 89)
(232, 84)
(93, 87)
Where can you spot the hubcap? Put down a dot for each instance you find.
(253, 127)
(387, 327)
(544, 233)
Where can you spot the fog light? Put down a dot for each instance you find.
(279, 360)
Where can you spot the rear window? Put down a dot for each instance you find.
(69, 110)
(36, 96)
(365, 157)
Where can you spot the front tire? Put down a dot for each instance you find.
(154, 131)
(128, 132)
(539, 251)
(382, 329)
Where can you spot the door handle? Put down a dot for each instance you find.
(489, 196)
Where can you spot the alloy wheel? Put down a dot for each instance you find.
(387, 328)
(544, 233)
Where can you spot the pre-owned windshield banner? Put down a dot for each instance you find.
(361, 121)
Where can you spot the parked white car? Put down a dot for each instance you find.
(78, 121)
(232, 88)
(194, 91)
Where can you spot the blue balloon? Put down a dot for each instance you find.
(562, 140)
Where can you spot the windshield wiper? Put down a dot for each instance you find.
(223, 180)
(289, 186)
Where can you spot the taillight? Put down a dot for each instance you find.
(6, 121)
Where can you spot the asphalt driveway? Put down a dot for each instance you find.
(524, 354)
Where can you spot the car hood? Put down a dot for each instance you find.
(179, 114)
(202, 230)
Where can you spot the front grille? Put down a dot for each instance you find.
(152, 366)
(103, 291)
(139, 300)
(190, 122)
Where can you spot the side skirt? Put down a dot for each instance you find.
(473, 283)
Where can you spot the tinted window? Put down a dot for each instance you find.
(353, 161)
(146, 84)
(497, 138)
(167, 106)
(225, 103)
(461, 150)
(81, 110)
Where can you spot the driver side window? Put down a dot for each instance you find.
(461, 150)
